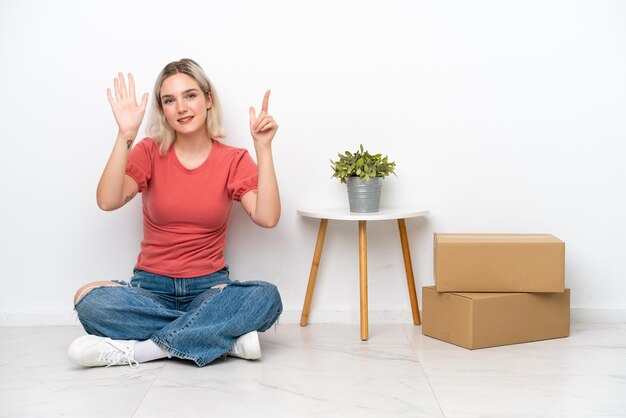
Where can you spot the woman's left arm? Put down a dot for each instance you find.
(263, 204)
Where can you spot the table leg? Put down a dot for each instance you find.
(408, 266)
(317, 255)
(363, 278)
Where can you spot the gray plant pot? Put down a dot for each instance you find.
(364, 196)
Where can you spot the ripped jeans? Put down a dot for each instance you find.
(188, 318)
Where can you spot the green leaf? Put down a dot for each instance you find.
(362, 164)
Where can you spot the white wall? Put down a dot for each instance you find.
(501, 116)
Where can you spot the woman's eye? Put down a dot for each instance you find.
(191, 96)
(167, 101)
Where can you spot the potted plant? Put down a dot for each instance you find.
(363, 173)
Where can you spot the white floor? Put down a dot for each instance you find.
(326, 371)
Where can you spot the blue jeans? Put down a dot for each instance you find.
(188, 318)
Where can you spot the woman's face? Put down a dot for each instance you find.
(184, 104)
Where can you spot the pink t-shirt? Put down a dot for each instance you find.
(186, 212)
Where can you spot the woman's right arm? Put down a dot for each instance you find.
(115, 188)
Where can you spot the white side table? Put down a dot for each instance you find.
(345, 215)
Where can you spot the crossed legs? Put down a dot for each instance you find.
(208, 330)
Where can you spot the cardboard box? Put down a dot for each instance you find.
(499, 263)
(479, 320)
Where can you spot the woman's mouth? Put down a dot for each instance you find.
(185, 120)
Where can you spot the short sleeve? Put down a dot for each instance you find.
(242, 176)
(139, 165)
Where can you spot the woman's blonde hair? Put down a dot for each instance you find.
(158, 128)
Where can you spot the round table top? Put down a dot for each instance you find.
(344, 214)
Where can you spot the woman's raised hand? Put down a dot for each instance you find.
(263, 127)
(128, 114)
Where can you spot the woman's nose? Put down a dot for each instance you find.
(181, 106)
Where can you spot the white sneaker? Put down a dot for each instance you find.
(94, 351)
(247, 347)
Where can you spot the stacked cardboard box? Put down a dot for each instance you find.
(496, 289)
